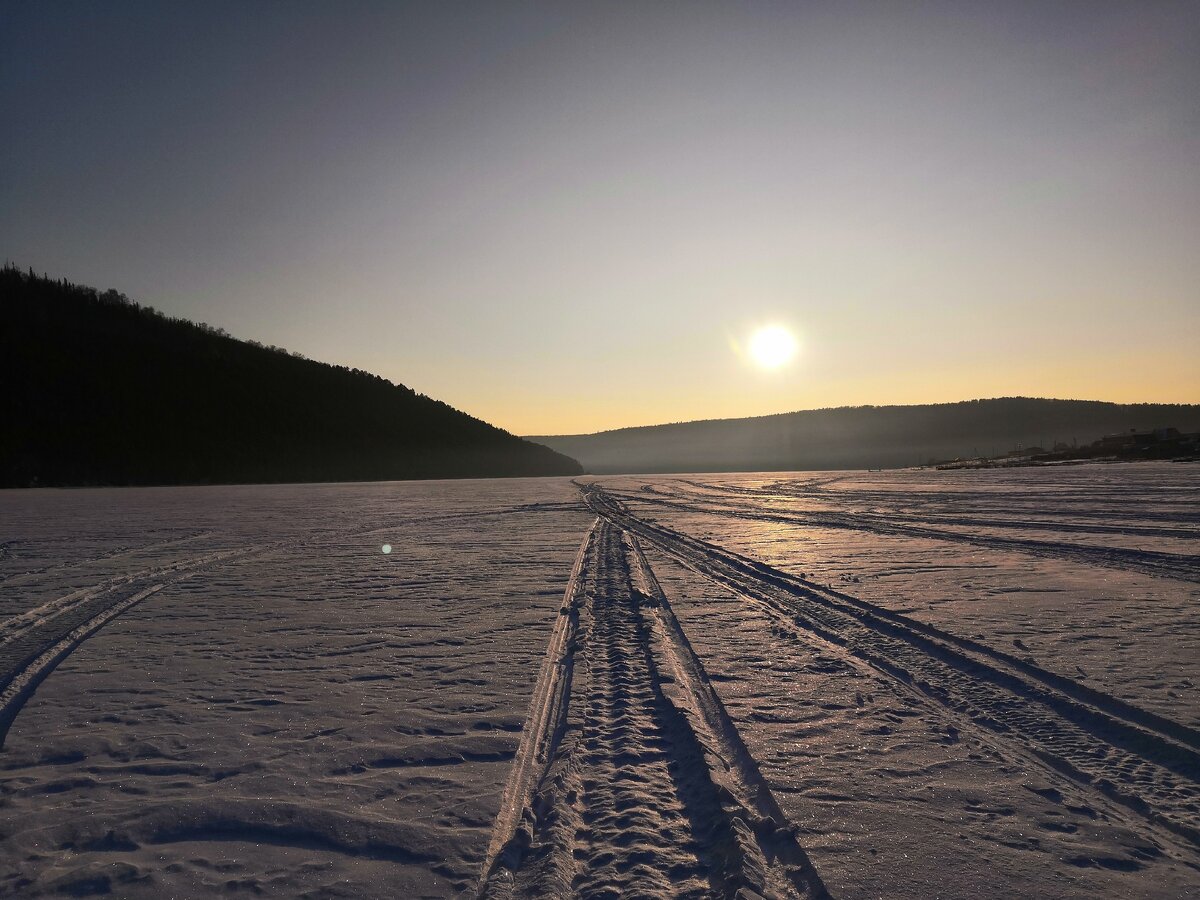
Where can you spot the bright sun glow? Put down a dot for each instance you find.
(772, 346)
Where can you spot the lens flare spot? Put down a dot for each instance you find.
(386, 548)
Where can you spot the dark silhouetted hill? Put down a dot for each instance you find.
(863, 437)
(99, 390)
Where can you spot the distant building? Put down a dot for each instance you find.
(1134, 440)
(1123, 439)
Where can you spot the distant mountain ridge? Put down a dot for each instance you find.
(858, 437)
(98, 390)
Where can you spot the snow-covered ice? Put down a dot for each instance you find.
(309, 716)
(916, 683)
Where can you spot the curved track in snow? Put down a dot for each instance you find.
(33, 643)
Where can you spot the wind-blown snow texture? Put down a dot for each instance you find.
(912, 684)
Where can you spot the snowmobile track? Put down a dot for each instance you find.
(1142, 761)
(635, 782)
(1151, 562)
(33, 643)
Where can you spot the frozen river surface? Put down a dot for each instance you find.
(912, 684)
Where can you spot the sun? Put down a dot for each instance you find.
(772, 346)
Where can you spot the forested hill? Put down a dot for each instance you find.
(98, 390)
(864, 436)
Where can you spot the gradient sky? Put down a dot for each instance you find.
(561, 217)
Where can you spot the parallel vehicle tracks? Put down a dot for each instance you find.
(33, 643)
(631, 779)
(1185, 567)
(1144, 762)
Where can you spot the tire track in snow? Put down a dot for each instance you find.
(731, 763)
(645, 788)
(71, 565)
(543, 725)
(982, 519)
(13, 628)
(20, 682)
(1152, 562)
(33, 643)
(1144, 762)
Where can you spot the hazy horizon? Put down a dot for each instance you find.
(767, 608)
(788, 412)
(564, 219)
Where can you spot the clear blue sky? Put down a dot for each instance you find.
(565, 217)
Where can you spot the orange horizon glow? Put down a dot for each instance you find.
(562, 220)
(612, 415)
(723, 384)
